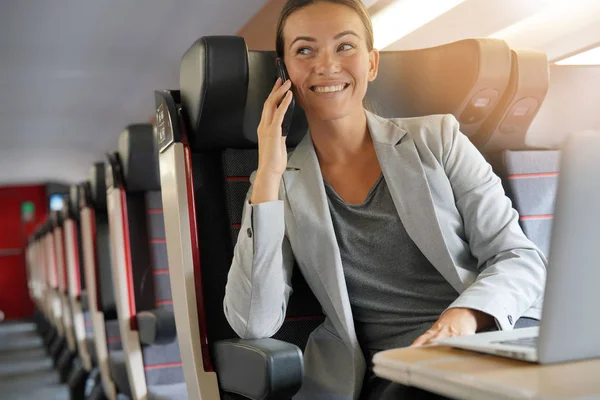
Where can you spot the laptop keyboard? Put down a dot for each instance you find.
(525, 342)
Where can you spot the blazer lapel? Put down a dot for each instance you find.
(314, 229)
(407, 182)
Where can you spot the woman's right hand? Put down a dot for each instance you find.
(272, 151)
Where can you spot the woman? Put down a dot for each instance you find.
(399, 226)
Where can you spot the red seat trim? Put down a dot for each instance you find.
(532, 217)
(164, 365)
(535, 175)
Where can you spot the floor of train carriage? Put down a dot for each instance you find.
(26, 370)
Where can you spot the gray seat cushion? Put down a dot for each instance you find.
(118, 371)
(167, 392)
(91, 348)
(530, 178)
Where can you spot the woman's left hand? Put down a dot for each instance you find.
(455, 322)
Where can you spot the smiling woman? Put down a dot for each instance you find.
(377, 268)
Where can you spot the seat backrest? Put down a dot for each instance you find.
(33, 268)
(466, 78)
(141, 270)
(529, 175)
(62, 256)
(61, 306)
(223, 155)
(75, 273)
(51, 298)
(98, 274)
(530, 179)
(50, 275)
(73, 250)
(96, 218)
(507, 126)
(56, 231)
(207, 156)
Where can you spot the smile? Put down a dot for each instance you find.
(330, 89)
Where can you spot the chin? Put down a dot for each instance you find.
(330, 115)
(336, 113)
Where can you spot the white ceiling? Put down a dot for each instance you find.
(74, 73)
(557, 27)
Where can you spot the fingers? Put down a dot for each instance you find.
(266, 115)
(281, 110)
(274, 99)
(432, 334)
(423, 339)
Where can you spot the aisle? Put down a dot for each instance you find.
(26, 370)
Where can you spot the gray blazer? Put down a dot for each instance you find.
(452, 206)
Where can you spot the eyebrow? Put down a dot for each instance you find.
(336, 37)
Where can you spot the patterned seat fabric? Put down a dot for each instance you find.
(530, 179)
(162, 363)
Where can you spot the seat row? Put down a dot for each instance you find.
(129, 278)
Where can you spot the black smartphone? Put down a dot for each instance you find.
(289, 114)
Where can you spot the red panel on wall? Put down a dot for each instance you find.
(14, 231)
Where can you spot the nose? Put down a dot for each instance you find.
(327, 64)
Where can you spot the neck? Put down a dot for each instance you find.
(340, 141)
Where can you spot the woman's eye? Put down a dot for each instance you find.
(345, 47)
(303, 51)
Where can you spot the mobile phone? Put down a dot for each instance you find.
(289, 114)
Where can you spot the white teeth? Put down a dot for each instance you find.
(328, 89)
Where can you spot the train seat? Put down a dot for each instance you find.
(140, 269)
(206, 159)
(466, 78)
(100, 298)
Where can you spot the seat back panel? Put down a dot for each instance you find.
(530, 178)
(221, 180)
(139, 244)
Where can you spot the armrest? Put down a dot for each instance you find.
(260, 368)
(156, 326)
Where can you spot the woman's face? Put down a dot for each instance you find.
(328, 61)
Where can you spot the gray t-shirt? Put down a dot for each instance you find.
(396, 294)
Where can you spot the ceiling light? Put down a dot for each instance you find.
(405, 16)
(556, 19)
(590, 57)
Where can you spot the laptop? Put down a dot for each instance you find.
(570, 320)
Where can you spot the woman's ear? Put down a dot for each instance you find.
(373, 64)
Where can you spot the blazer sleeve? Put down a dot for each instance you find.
(259, 280)
(512, 270)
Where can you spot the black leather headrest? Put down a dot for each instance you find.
(73, 201)
(98, 185)
(223, 88)
(139, 158)
(56, 219)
